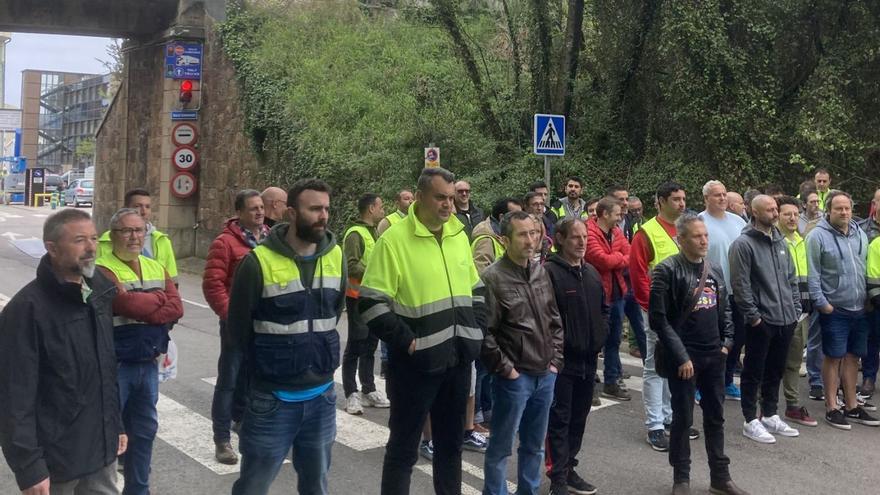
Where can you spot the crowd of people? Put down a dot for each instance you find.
(492, 326)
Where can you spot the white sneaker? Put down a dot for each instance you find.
(353, 404)
(775, 425)
(375, 399)
(755, 430)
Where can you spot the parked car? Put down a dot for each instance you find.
(79, 192)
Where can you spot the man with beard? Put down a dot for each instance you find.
(286, 300)
(572, 206)
(422, 295)
(60, 426)
(146, 303)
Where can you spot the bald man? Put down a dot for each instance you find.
(736, 205)
(275, 204)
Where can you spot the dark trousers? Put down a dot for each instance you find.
(359, 359)
(413, 395)
(739, 339)
(572, 399)
(709, 380)
(763, 367)
(636, 323)
(230, 394)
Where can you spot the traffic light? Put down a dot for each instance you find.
(186, 91)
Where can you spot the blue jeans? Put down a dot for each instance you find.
(613, 368)
(271, 427)
(138, 395)
(655, 389)
(814, 351)
(871, 362)
(518, 405)
(229, 391)
(634, 315)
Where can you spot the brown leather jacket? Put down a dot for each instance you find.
(525, 330)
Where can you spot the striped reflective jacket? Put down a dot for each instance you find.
(418, 288)
(137, 341)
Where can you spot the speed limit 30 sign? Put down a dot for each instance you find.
(185, 158)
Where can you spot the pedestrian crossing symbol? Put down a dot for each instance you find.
(549, 134)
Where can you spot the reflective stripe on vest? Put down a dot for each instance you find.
(497, 247)
(303, 309)
(662, 245)
(354, 284)
(873, 268)
(163, 252)
(152, 277)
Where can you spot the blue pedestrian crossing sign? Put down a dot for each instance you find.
(549, 134)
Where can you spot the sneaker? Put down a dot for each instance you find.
(353, 404)
(799, 415)
(867, 388)
(596, 400)
(693, 433)
(863, 402)
(578, 485)
(836, 419)
(558, 488)
(756, 431)
(859, 415)
(426, 449)
(776, 426)
(474, 442)
(375, 399)
(657, 440)
(733, 392)
(614, 391)
(224, 454)
(816, 393)
(482, 430)
(698, 397)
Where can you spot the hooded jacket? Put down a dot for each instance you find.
(836, 266)
(763, 277)
(610, 259)
(245, 300)
(59, 401)
(584, 313)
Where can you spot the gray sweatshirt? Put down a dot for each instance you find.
(763, 277)
(836, 266)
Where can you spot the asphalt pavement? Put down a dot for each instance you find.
(615, 456)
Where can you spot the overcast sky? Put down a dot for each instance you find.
(50, 52)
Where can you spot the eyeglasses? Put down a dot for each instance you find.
(460, 191)
(128, 232)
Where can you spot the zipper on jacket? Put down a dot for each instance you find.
(448, 284)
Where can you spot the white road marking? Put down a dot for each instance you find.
(40, 215)
(10, 235)
(4, 300)
(199, 305)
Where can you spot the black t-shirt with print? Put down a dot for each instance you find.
(700, 332)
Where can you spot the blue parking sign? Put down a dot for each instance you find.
(549, 134)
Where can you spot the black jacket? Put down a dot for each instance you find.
(471, 218)
(673, 283)
(581, 301)
(59, 402)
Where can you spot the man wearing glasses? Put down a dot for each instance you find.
(147, 302)
(469, 214)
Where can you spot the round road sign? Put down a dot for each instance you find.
(185, 158)
(184, 134)
(183, 185)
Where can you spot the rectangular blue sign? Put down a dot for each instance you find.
(185, 115)
(549, 134)
(183, 60)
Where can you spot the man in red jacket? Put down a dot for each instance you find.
(241, 234)
(608, 252)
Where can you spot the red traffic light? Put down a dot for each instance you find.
(186, 88)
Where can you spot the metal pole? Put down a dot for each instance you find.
(547, 171)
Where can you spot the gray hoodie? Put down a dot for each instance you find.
(763, 277)
(836, 266)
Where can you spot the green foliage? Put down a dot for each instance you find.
(748, 92)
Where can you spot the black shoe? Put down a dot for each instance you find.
(558, 488)
(578, 485)
(867, 388)
(859, 415)
(836, 419)
(613, 391)
(693, 433)
(658, 441)
(726, 488)
(816, 393)
(681, 488)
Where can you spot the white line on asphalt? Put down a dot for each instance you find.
(199, 305)
(4, 300)
(40, 215)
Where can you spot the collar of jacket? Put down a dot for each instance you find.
(68, 290)
(525, 272)
(453, 225)
(559, 260)
(752, 231)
